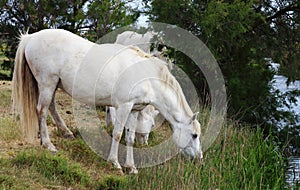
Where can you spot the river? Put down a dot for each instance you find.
(293, 173)
(279, 82)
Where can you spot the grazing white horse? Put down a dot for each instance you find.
(145, 119)
(143, 125)
(143, 41)
(102, 75)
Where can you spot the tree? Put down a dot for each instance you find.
(284, 17)
(92, 18)
(105, 16)
(241, 35)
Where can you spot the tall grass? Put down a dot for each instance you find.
(240, 158)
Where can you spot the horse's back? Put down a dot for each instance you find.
(84, 68)
(55, 43)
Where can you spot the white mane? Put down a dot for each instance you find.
(169, 79)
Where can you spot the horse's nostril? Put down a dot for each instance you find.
(194, 136)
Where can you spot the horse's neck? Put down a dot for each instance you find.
(172, 105)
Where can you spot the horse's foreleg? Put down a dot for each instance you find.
(58, 120)
(130, 127)
(44, 101)
(122, 113)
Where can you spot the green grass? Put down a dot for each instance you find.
(31, 168)
(239, 159)
(10, 129)
(55, 167)
(5, 95)
(4, 74)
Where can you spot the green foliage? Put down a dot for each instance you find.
(108, 15)
(93, 18)
(285, 35)
(241, 36)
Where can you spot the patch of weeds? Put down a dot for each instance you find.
(79, 150)
(112, 183)
(5, 97)
(9, 129)
(53, 167)
(6, 182)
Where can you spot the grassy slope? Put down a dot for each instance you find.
(3, 73)
(239, 159)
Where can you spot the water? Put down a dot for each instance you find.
(293, 173)
(279, 82)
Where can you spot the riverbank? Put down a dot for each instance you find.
(239, 159)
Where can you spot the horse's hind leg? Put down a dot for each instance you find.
(45, 98)
(58, 120)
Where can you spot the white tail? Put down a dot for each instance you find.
(25, 93)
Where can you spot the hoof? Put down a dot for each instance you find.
(50, 147)
(53, 150)
(68, 136)
(133, 171)
(132, 168)
(115, 164)
(117, 167)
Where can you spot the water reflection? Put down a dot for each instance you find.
(279, 82)
(293, 173)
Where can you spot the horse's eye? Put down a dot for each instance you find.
(194, 136)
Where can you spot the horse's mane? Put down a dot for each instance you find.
(140, 52)
(170, 80)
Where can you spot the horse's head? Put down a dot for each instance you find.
(188, 138)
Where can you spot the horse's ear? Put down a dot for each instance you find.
(195, 117)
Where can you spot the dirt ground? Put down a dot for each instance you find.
(10, 131)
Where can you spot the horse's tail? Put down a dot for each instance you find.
(25, 92)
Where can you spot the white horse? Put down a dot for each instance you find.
(145, 118)
(143, 41)
(143, 125)
(108, 75)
